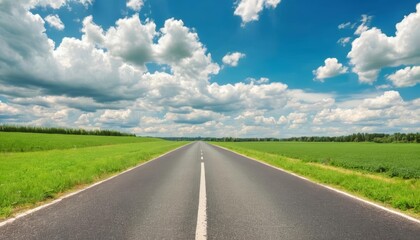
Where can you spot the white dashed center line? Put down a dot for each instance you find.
(201, 230)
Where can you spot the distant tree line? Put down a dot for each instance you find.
(356, 137)
(57, 130)
(222, 139)
(363, 137)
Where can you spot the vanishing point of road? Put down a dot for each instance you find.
(201, 191)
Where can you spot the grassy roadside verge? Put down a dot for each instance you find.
(30, 177)
(398, 193)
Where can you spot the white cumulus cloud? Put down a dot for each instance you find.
(232, 59)
(388, 99)
(374, 50)
(249, 10)
(406, 77)
(331, 69)
(135, 4)
(131, 40)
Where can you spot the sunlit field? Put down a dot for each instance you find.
(53, 164)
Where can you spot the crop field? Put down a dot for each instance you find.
(53, 164)
(386, 173)
(394, 160)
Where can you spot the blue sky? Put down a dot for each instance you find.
(277, 84)
(293, 41)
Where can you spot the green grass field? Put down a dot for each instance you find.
(27, 178)
(386, 173)
(24, 142)
(394, 160)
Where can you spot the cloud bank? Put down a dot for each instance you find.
(103, 80)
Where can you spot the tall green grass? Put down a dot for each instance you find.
(313, 161)
(30, 177)
(24, 142)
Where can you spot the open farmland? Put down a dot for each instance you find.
(386, 173)
(53, 164)
(394, 160)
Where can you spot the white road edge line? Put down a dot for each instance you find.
(331, 188)
(201, 230)
(20, 215)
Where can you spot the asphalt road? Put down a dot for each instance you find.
(244, 200)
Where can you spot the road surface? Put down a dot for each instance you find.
(229, 196)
